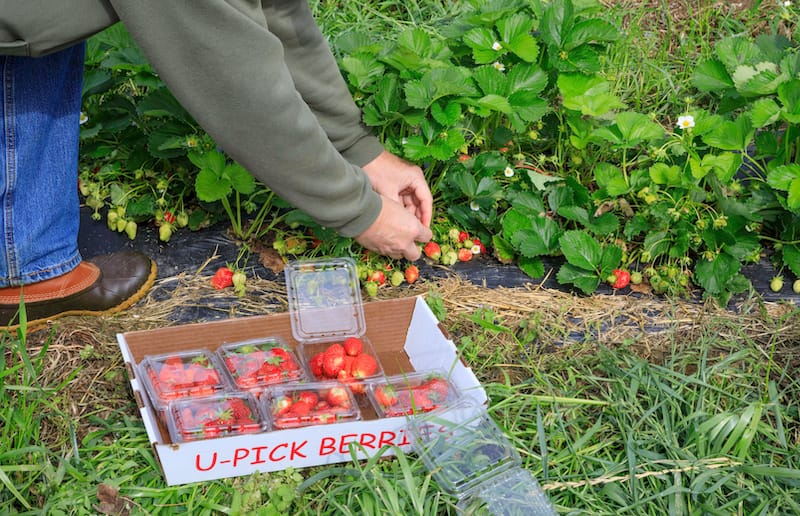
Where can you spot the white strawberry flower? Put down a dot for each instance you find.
(499, 66)
(476, 249)
(496, 46)
(474, 206)
(83, 118)
(508, 172)
(685, 122)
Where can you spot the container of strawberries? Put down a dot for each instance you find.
(254, 364)
(410, 394)
(220, 415)
(188, 374)
(309, 404)
(327, 318)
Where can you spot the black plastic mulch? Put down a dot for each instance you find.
(187, 251)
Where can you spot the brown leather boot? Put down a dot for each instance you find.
(103, 285)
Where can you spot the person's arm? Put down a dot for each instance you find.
(227, 69)
(317, 77)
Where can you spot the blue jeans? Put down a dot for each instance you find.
(39, 126)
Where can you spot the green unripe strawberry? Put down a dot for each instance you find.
(122, 224)
(776, 284)
(165, 232)
(796, 286)
(636, 277)
(372, 288)
(111, 219)
(239, 280)
(396, 279)
(130, 229)
(182, 219)
(450, 258)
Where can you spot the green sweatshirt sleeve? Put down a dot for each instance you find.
(220, 60)
(317, 77)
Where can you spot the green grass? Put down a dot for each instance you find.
(709, 425)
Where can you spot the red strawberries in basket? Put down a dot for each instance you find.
(347, 361)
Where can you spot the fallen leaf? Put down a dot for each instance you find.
(110, 501)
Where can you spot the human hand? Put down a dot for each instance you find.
(395, 232)
(402, 182)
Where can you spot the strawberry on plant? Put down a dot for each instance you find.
(238, 280)
(621, 278)
(372, 288)
(464, 254)
(377, 276)
(169, 218)
(396, 279)
(130, 229)
(223, 278)
(796, 286)
(412, 273)
(636, 277)
(462, 236)
(776, 283)
(432, 250)
(165, 232)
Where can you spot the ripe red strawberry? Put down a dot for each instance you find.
(363, 366)
(332, 363)
(462, 235)
(412, 273)
(338, 397)
(281, 405)
(436, 388)
(353, 346)
(309, 397)
(432, 250)
(464, 254)
(335, 349)
(300, 408)
(385, 395)
(377, 276)
(315, 364)
(223, 278)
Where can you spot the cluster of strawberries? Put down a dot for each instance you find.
(411, 397)
(457, 246)
(346, 362)
(216, 417)
(252, 365)
(311, 405)
(178, 377)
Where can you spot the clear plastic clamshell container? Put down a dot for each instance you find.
(413, 393)
(254, 364)
(309, 404)
(327, 318)
(189, 374)
(471, 458)
(220, 415)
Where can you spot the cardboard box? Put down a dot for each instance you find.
(406, 336)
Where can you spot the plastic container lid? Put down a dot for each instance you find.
(413, 393)
(309, 404)
(324, 299)
(471, 458)
(515, 492)
(254, 364)
(220, 415)
(188, 374)
(462, 446)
